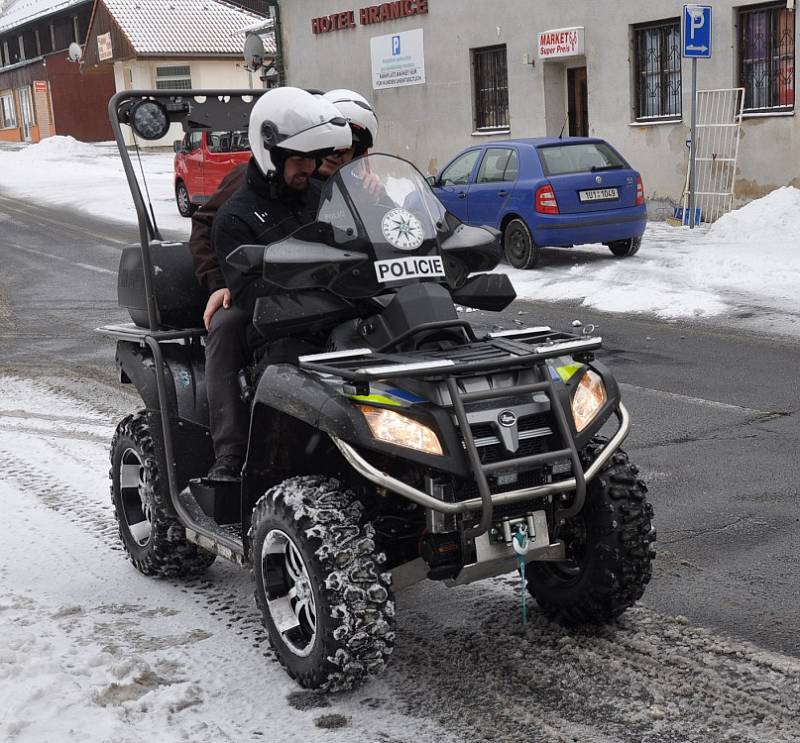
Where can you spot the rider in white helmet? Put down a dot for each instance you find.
(291, 131)
(363, 124)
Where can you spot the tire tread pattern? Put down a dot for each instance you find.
(168, 553)
(618, 565)
(358, 636)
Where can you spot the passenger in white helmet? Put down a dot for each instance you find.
(291, 132)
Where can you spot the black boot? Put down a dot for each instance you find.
(226, 468)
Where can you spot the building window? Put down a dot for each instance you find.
(173, 78)
(658, 70)
(490, 73)
(766, 57)
(21, 41)
(8, 119)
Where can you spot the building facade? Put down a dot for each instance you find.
(42, 92)
(443, 75)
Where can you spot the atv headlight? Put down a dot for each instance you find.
(589, 397)
(395, 428)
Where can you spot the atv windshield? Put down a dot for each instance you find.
(385, 224)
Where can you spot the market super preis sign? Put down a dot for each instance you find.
(369, 15)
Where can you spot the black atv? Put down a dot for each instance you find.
(408, 447)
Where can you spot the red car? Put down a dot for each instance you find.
(202, 160)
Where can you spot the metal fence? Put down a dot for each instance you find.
(719, 120)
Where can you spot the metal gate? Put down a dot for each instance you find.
(719, 120)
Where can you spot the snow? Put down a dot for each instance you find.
(17, 12)
(92, 652)
(750, 258)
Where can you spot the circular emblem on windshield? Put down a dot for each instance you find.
(598, 179)
(402, 229)
(507, 418)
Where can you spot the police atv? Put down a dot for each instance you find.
(406, 446)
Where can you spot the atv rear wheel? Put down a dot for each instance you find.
(150, 532)
(608, 546)
(328, 608)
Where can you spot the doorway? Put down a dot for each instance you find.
(26, 104)
(577, 102)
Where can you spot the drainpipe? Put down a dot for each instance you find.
(277, 29)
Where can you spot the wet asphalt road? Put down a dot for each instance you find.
(714, 405)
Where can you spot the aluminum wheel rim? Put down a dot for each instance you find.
(290, 597)
(134, 497)
(183, 198)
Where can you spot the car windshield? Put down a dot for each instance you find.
(579, 157)
(378, 207)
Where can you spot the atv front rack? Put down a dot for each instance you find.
(497, 351)
(504, 351)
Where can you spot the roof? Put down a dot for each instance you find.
(185, 27)
(15, 13)
(544, 141)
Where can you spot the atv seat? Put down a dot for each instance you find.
(179, 297)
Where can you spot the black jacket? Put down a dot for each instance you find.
(261, 212)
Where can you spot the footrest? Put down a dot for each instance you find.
(219, 500)
(204, 531)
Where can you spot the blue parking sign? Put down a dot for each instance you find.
(696, 31)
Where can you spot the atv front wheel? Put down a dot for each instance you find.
(328, 608)
(608, 546)
(150, 532)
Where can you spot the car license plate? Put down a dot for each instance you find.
(599, 194)
(397, 269)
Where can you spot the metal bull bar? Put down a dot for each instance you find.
(487, 501)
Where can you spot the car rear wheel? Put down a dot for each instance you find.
(185, 207)
(625, 248)
(520, 249)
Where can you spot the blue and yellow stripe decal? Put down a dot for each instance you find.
(383, 394)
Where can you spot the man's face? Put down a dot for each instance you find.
(340, 157)
(297, 170)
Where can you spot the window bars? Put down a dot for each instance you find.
(719, 119)
(766, 58)
(490, 71)
(177, 77)
(658, 70)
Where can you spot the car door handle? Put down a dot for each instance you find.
(502, 194)
(462, 194)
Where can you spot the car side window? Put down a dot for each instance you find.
(457, 173)
(195, 138)
(497, 166)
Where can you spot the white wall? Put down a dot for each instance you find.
(429, 123)
(206, 74)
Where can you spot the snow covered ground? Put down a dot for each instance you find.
(93, 652)
(747, 263)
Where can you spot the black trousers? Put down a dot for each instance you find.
(227, 351)
(231, 345)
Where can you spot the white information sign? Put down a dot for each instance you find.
(104, 50)
(561, 42)
(397, 59)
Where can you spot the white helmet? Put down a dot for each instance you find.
(359, 114)
(291, 121)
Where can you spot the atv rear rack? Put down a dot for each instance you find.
(523, 348)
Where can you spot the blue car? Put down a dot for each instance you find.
(547, 191)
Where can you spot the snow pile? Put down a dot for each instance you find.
(58, 147)
(775, 218)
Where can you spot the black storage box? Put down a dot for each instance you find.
(180, 298)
